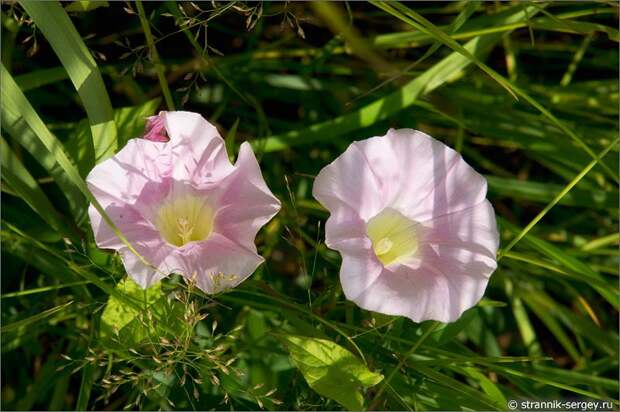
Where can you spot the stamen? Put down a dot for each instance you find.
(383, 246)
(222, 281)
(184, 218)
(185, 229)
(393, 236)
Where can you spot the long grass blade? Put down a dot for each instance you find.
(15, 101)
(62, 35)
(22, 182)
(385, 107)
(556, 199)
(417, 21)
(15, 124)
(33, 319)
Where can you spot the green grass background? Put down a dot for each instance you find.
(527, 92)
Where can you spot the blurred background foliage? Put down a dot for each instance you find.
(527, 92)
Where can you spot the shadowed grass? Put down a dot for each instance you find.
(526, 92)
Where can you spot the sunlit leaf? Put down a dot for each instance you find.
(331, 370)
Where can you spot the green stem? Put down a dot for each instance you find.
(159, 68)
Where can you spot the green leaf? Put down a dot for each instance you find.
(133, 323)
(117, 316)
(86, 5)
(52, 20)
(331, 370)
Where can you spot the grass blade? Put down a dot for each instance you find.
(159, 68)
(609, 293)
(33, 319)
(15, 101)
(546, 192)
(556, 199)
(58, 29)
(387, 106)
(417, 21)
(20, 130)
(22, 182)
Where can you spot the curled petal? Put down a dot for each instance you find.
(345, 231)
(156, 129)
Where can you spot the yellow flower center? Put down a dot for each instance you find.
(184, 219)
(393, 236)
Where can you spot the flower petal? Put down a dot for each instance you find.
(121, 178)
(217, 263)
(475, 225)
(198, 151)
(131, 223)
(457, 190)
(418, 294)
(416, 174)
(119, 184)
(345, 231)
(350, 182)
(245, 203)
(158, 253)
(359, 271)
(454, 264)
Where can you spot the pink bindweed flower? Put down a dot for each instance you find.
(410, 218)
(181, 203)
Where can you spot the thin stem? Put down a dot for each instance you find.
(411, 351)
(43, 289)
(555, 200)
(159, 67)
(572, 67)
